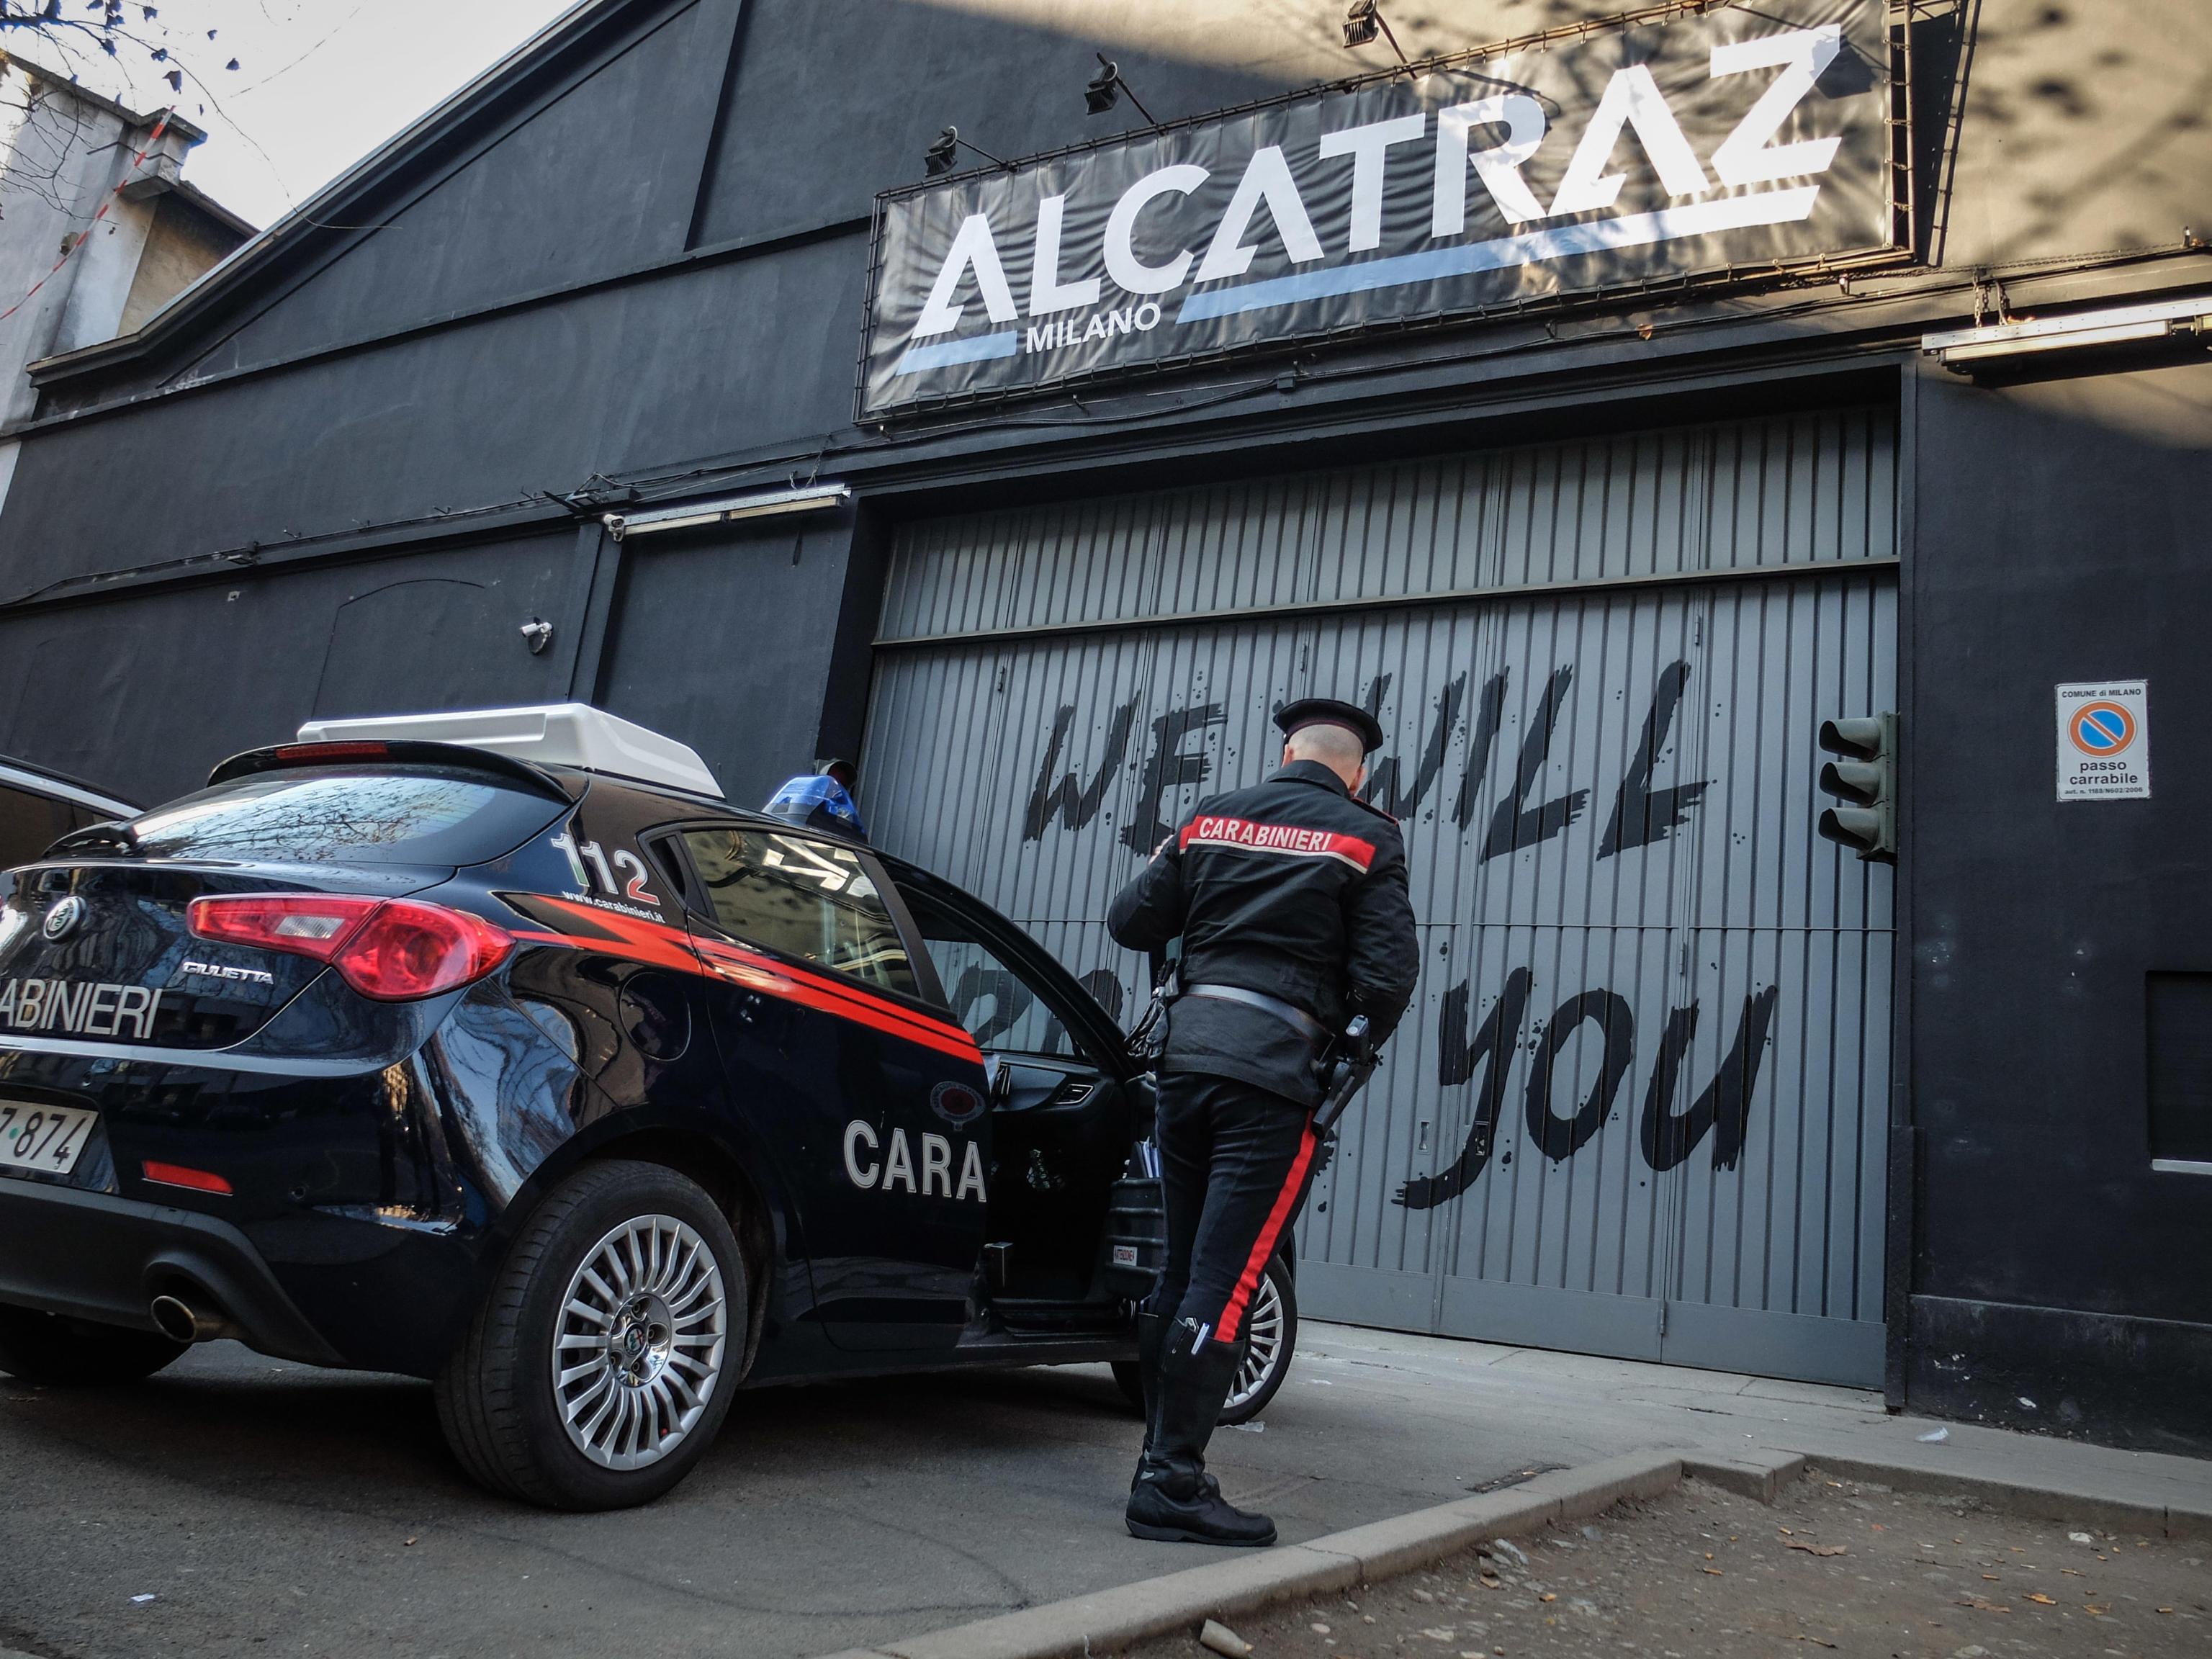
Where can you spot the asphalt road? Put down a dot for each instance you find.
(270, 1507)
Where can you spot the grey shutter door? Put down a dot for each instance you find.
(1638, 1107)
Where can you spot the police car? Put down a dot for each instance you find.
(494, 1049)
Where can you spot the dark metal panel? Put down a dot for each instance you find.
(1776, 494)
(1607, 797)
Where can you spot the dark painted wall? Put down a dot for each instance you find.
(2060, 538)
(148, 694)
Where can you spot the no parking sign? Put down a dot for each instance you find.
(2104, 741)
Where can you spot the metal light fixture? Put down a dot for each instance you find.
(1364, 22)
(699, 515)
(1106, 87)
(940, 157)
(1969, 350)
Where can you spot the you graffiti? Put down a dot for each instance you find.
(1666, 1138)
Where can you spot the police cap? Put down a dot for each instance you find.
(1327, 711)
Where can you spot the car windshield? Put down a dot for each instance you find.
(327, 815)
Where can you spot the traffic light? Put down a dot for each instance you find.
(1866, 779)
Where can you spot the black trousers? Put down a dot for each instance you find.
(1235, 1162)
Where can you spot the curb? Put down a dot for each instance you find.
(2028, 1500)
(1084, 1625)
(1105, 1619)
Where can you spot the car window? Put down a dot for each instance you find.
(324, 815)
(30, 824)
(807, 898)
(993, 1002)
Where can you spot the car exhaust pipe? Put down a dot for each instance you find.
(181, 1321)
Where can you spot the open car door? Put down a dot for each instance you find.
(1066, 1111)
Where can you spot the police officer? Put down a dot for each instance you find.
(821, 799)
(1290, 900)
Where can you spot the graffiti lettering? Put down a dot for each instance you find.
(1512, 827)
(1641, 816)
(1493, 1048)
(1075, 803)
(1721, 1108)
(1724, 1106)
(1488, 718)
(1383, 788)
(1557, 1137)
(1167, 766)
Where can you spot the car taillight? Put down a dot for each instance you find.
(392, 950)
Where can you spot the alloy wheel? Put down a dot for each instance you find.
(1263, 1325)
(637, 1350)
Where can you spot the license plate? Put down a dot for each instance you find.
(46, 1138)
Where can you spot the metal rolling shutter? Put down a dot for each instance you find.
(1602, 664)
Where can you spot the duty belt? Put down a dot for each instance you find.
(1308, 1027)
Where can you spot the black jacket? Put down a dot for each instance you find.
(1292, 889)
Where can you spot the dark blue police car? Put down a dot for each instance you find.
(494, 1049)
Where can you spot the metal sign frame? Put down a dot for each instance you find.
(1901, 193)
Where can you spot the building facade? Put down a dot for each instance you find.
(1606, 402)
(98, 228)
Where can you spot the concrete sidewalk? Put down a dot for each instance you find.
(1624, 1430)
(258, 1501)
(1571, 1409)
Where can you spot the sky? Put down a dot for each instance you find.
(319, 83)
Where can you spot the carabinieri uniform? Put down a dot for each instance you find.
(1292, 903)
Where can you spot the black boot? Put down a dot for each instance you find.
(1152, 1332)
(1173, 1498)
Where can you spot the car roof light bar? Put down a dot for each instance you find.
(695, 515)
(1963, 349)
(548, 734)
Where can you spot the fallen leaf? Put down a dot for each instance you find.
(2072, 1572)
(1991, 1577)
(2041, 1600)
(1715, 1571)
(1547, 1597)
(1815, 1549)
(2099, 1612)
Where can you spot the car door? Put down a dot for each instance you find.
(831, 1035)
(1063, 1115)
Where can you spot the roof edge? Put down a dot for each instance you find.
(133, 120)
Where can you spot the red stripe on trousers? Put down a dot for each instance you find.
(1232, 1316)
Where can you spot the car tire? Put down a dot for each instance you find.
(1276, 1306)
(1271, 1324)
(601, 1362)
(43, 1347)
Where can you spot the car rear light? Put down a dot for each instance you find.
(392, 950)
(178, 1175)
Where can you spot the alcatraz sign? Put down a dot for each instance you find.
(1734, 140)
